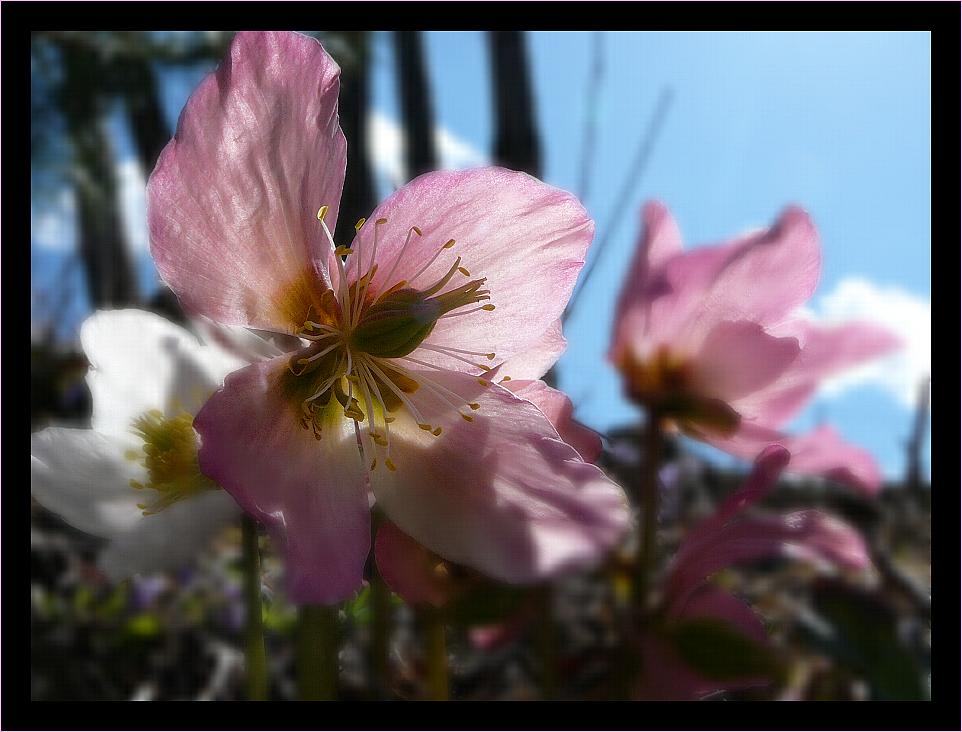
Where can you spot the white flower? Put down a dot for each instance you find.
(133, 478)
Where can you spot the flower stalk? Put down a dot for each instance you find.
(254, 652)
(379, 668)
(437, 654)
(317, 653)
(646, 560)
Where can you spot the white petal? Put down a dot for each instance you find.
(140, 361)
(82, 476)
(170, 538)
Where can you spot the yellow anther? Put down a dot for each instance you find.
(359, 224)
(343, 251)
(142, 506)
(484, 382)
(373, 463)
(483, 367)
(416, 230)
(425, 427)
(475, 406)
(321, 213)
(436, 432)
(506, 378)
(381, 222)
(466, 417)
(449, 244)
(490, 356)
(390, 465)
(136, 484)
(489, 307)
(379, 439)
(464, 271)
(388, 420)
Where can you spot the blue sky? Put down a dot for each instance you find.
(837, 122)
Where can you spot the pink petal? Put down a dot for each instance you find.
(821, 452)
(233, 200)
(528, 239)
(408, 568)
(660, 240)
(557, 407)
(825, 351)
(537, 360)
(713, 602)
(501, 494)
(808, 535)
(311, 494)
(766, 276)
(740, 358)
(760, 277)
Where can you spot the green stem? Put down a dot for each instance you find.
(255, 655)
(437, 653)
(379, 660)
(647, 547)
(317, 653)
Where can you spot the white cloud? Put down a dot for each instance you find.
(133, 202)
(386, 139)
(907, 315)
(51, 221)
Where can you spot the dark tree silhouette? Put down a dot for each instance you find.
(517, 144)
(420, 154)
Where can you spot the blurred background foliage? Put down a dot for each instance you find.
(178, 636)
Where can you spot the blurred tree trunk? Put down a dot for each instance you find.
(138, 86)
(100, 234)
(358, 199)
(420, 155)
(913, 473)
(517, 144)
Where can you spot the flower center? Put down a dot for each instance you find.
(663, 383)
(361, 335)
(169, 454)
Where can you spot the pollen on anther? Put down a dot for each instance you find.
(416, 230)
(425, 427)
(136, 484)
(467, 417)
(373, 464)
(475, 406)
(381, 221)
(321, 213)
(359, 224)
(450, 243)
(436, 432)
(484, 382)
(464, 271)
(343, 251)
(489, 307)
(506, 378)
(390, 465)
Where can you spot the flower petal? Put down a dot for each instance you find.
(809, 535)
(826, 350)
(139, 361)
(408, 568)
(739, 358)
(171, 538)
(821, 452)
(537, 360)
(766, 276)
(660, 240)
(713, 602)
(232, 203)
(557, 407)
(500, 494)
(82, 476)
(528, 239)
(310, 493)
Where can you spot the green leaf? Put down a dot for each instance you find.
(716, 650)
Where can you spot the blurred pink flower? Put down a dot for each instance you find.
(708, 340)
(386, 391)
(690, 603)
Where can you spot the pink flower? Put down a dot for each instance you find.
(386, 392)
(692, 609)
(708, 341)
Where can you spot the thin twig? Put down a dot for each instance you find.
(635, 173)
